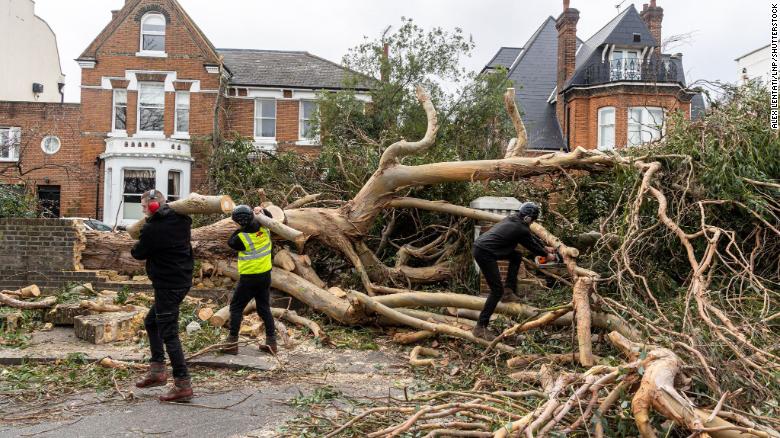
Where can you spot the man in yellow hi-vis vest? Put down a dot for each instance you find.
(253, 243)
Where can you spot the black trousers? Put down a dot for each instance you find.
(488, 264)
(162, 326)
(257, 286)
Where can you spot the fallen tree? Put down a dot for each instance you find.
(345, 230)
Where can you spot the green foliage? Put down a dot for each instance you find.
(14, 202)
(320, 395)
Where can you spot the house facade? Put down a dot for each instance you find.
(610, 91)
(30, 68)
(155, 93)
(755, 65)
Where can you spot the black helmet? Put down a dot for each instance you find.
(243, 215)
(528, 212)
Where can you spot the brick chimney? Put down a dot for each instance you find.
(653, 15)
(567, 49)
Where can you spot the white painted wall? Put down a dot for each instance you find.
(114, 182)
(754, 65)
(28, 54)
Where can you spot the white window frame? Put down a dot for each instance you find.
(259, 117)
(113, 112)
(654, 132)
(172, 197)
(14, 132)
(140, 131)
(601, 141)
(623, 71)
(177, 104)
(301, 123)
(51, 137)
(124, 193)
(152, 53)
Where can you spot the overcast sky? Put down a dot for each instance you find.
(721, 29)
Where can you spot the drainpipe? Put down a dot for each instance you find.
(98, 160)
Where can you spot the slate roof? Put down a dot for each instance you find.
(505, 57)
(294, 69)
(534, 75)
(535, 71)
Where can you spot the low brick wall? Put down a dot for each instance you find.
(40, 251)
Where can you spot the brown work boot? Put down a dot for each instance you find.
(180, 392)
(270, 346)
(511, 296)
(484, 333)
(157, 376)
(231, 346)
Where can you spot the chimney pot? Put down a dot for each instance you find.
(652, 3)
(114, 14)
(644, 7)
(565, 5)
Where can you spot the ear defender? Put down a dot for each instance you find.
(153, 204)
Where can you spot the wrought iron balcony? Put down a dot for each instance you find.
(620, 70)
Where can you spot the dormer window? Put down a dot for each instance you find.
(153, 33)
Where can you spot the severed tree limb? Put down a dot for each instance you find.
(517, 148)
(284, 260)
(581, 294)
(32, 291)
(403, 148)
(102, 307)
(303, 268)
(306, 200)
(413, 337)
(414, 356)
(193, 204)
(12, 302)
(446, 329)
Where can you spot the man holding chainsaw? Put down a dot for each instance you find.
(165, 245)
(499, 243)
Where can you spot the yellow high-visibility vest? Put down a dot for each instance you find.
(256, 258)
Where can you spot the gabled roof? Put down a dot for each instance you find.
(208, 49)
(295, 69)
(505, 57)
(535, 74)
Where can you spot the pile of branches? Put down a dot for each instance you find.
(681, 282)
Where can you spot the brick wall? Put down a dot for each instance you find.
(67, 168)
(584, 106)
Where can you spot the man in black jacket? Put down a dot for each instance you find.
(499, 243)
(165, 245)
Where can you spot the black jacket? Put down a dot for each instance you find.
(504, 236)
(165, 245)
(235, 242)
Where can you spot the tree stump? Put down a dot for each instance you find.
(105, 328)
(10, 321)
(64, 314)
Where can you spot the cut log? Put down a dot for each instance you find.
(304, 269)
(412, 337)
(105, 328)
(193, 204)
(282, 230)
(81, 289)
(65, 314)
(108, 362)
(205, 313)
(222, 316)
(103, 307)
(31, 291)
(293, 317)
(284, 260)
(581, 301)
(12, 302)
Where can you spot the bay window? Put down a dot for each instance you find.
(645, 124)
(606, 133)
(135, 183)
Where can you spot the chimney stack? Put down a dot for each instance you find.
(653, 16)
(567, 49)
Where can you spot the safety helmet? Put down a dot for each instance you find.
(243, 215)
(528, 212)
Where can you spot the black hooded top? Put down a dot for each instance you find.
(165, 245)
(504, 236)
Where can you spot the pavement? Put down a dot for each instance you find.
(254, 407)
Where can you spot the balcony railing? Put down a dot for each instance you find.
(619, 70)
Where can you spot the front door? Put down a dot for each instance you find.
(49, 201)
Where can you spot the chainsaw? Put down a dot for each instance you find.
(544, 262)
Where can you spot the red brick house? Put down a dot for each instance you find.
(613, 90)
(154, 93)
